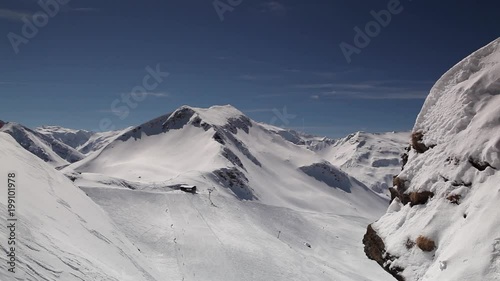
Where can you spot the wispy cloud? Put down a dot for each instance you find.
(13, 15)
(17, 16)
(267, 96)
(314, 86)
(389, 89)
(222, 58)
(12, 83)
(84, 10)
(273, 6)
(292, 70)
(154, 94)
(254, 110)
(158, 95)
(407, 94)
(258, 77)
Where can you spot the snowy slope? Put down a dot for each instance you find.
(84, 141)
(450, 183)
(186, 235)
(99, 140)
(373, 159)
(309, 141)
(223, 147)
(46, 148)
(265, 208)
(61, 233)
(71, 137)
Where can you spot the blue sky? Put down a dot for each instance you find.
(263, 55)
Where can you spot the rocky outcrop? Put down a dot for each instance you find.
(443, 220)
(375, 250)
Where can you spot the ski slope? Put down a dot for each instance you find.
(184, 235)
(222, 148)
(252, 185)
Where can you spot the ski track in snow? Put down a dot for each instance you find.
(185, 238)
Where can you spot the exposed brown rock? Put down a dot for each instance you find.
(425, 244)
(375, 250)
(404, 159)
(416, 142)
(399, 183)
(480, 165)
(454, 199)
(398, 192)
(420, 198)
(409, 244)
(403, 198)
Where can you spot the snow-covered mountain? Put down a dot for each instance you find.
(443, 223)
(270, 205)
(60, 233)
(373, 159)
(84, 141)
(223, 147)
(52, 151)
(265, 207)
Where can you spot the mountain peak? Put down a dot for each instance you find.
(216, 115)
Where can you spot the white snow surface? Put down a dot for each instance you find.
(86, 142)
(52, 151)
(460, 120)
(61, 233)
(258, 164)
(373, 159)
(253, 185)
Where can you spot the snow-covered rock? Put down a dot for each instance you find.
(373, 159)
(50, 150)
(447, 225)
(83, 141)
(73, 138)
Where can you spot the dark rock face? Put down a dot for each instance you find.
(480, 165)
(242, 123)
(218, 138)
(403, 198)
(420, 198)
(404, 157)
(375, 250)
(327, 173)
(233, 158)
(22, 136)
(179, 119)
(236, 181)
(414, 198)
(425, 244)
(399, 191)
(416, 142)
